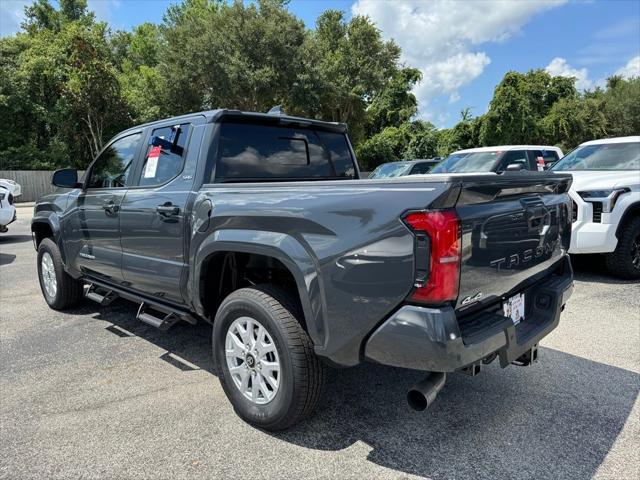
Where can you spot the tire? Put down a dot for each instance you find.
(621, 261)
(301, 376)
(68, 291)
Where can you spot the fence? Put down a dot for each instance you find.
(36, 183)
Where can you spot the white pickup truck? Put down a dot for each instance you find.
(606, 201)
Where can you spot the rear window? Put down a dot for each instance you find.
(263, 152)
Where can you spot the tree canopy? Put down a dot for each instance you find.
(69, 82)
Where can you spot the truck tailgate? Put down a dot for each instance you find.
(514, 226)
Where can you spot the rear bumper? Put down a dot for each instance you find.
(432, 339)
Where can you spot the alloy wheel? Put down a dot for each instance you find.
(252, 360)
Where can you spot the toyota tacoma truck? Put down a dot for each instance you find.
(260, 225)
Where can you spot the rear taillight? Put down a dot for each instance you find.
(437, 279)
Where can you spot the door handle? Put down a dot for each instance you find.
(168, 210)
(110, 207)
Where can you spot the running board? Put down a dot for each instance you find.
(101, 295)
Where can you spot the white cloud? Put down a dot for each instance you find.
(441, 37)
(11, 16)
(631, 69)
(560, 68)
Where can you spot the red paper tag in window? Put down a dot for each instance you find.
(152, 163)
(540, 163)
(154, 152)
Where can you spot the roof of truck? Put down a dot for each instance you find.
(238, 115)
(505, 148)
(603, 141)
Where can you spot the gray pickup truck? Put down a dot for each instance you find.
(260, 225)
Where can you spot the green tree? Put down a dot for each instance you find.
(230, 55)
(519, 104)
(61, 90)
(622, 106)
(394, 104)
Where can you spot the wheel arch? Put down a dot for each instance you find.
(632, 211)
(282, 248)
(47, 226)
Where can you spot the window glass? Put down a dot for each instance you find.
(421, 168)
(113, 167)
(468, 162)
(270, 152)
(390, 170)
(609, 156)
(518, 157)
(549, 156)
(164, 157)
(339, 153)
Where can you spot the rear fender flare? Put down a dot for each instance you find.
(280, 246)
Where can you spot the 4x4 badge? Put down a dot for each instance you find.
(472, 298)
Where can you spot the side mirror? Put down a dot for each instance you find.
(514, 167)
(65, 178)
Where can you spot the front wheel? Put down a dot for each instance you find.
(267, 366)
(624, 262)
(60, 290)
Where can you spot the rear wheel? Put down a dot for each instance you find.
(60, 290)
(267, 366)
(624, 262)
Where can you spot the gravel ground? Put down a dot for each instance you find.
(93, 393)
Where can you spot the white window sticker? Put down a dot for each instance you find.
(151, 167)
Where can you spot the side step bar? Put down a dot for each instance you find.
(148, 316)
(101, 295)
(150, 312)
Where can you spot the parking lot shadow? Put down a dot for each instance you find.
(556, 419)
(6, 258)
(591, 268)
(7, 239)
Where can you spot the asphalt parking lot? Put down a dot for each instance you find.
(93, 393)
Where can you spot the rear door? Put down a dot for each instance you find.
(93, 235)
(513, 228)
(154, 222)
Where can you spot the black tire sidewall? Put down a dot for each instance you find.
(280, 407)
(619, 263)
(630, 232)
(47, 246)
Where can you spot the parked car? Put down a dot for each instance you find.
(258, 224)
(606, 202)
(499, 159)
(12, 186)
(405, 167)
(8, 191)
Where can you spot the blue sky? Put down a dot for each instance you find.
(462, 47)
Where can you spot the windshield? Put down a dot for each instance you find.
(468, 162)
(388, 170)
(610, 156)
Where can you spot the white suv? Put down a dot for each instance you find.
(606, 201)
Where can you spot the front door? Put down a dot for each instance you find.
(153, 216)
(93, 239)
